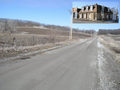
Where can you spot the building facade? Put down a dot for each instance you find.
(93, 13)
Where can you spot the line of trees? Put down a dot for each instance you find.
(7, 26)
(109, 31)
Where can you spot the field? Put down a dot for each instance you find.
(113, 43)
(28, 39)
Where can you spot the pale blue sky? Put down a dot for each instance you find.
(47, 12)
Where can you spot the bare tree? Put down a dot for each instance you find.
(11, 25)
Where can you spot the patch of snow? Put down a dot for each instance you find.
(24, 33)
(105, 83)
(41, 27)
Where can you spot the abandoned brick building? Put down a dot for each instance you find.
(93, 12)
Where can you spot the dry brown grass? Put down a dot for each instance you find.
(27, 39)
(115, 49)
(113, 45)
(52, 32)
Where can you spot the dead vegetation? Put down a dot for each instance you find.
(14, 44)
(17, 36)
(114, 45)
(109, 31)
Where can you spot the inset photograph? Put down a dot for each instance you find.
(95, 12)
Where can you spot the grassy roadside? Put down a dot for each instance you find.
(112, 45)
(26, 52)
(12, 44)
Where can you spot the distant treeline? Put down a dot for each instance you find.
(109, 31)
(88, 31)
(9, 25)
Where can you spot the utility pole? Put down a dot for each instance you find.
(71, 18)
